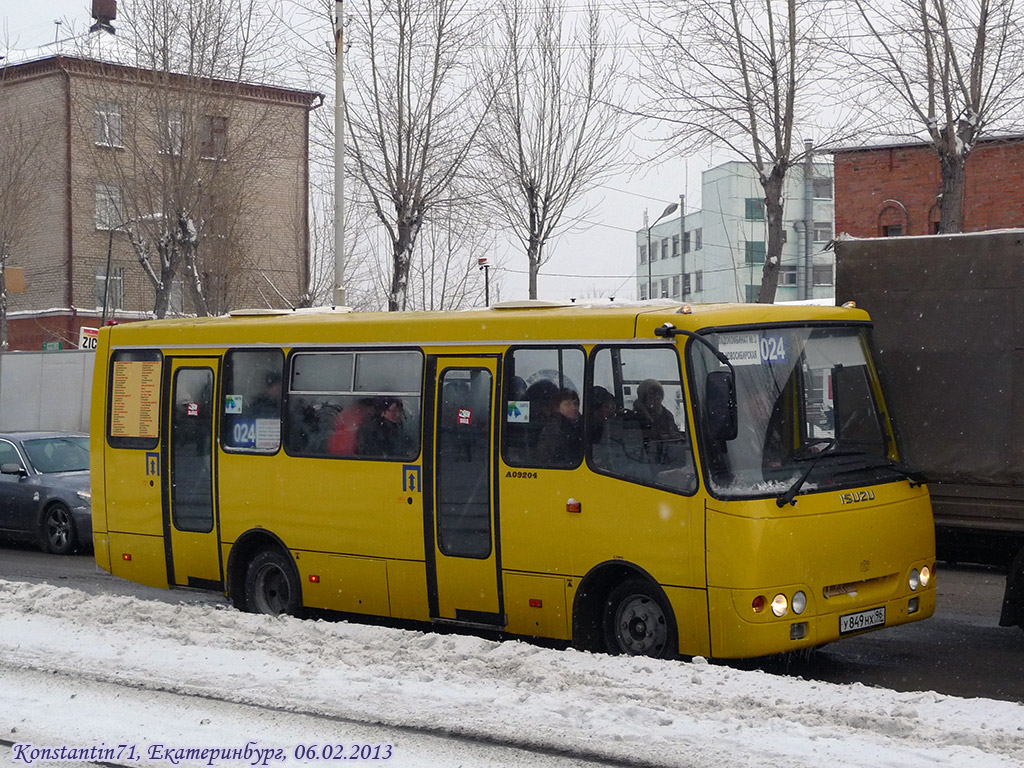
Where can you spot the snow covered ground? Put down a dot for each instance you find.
(166, 681)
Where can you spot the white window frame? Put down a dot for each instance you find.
(115, 291)
(108, 125)
(109, 206)
(172, 132)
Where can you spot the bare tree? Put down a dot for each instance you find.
(193, 146)
(953, 70)
(446, 274)
(555, 133)
(746, 75)
(411, 114)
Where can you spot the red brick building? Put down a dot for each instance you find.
(893, 190)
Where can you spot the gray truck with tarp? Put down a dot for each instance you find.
(948, 313)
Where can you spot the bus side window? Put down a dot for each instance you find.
(252, 400)
(537, 433)
(637, 417)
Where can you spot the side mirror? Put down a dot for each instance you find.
(721, 405)
(12, 469)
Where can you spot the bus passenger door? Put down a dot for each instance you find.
(463, 583)
(191, 532)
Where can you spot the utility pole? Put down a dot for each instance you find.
(682, 247)
(808, 280)
(339, 153)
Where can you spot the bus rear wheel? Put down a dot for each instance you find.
(638, 621)
(271, 585)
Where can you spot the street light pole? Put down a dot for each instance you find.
(482, 261)
(669, 209)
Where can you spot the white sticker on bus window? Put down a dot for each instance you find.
(233, 404)
(741, 348)
(753, 348)
(268, 434)
(518, 412)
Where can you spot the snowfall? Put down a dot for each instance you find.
(128, 681)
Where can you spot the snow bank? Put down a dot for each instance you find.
(613, 708)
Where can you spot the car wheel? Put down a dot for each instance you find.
(638, 621)
(271, 584)
(58, 530)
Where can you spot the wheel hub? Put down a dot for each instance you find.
(642, 628)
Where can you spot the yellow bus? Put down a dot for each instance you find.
(715, 480)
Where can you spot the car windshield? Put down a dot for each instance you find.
(807, 411)
(58, 454)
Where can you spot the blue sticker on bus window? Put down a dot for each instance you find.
(773, 348)
(243, 433)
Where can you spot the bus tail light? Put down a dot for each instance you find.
(535, 603)
(314, 578)
(759, 603)
(126, 557)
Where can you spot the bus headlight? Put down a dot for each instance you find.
(780, 605)
(915, 580)
(926, 576)
(799, 603)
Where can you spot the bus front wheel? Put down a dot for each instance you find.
(638, 621)
(271, 585)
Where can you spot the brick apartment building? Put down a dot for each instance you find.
(893, 190)
(97, 123)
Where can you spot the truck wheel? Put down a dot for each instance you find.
(58, 530)
(271, 584)
(638, 621)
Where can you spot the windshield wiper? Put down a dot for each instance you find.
(914, 476)
(789, 496)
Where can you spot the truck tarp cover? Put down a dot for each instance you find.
(948, 312)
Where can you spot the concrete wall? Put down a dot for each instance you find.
(46, 390)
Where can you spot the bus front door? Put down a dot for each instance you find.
(464, 580)
(190, 520)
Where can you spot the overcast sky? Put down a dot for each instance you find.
(594, 262)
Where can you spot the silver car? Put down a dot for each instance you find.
(44, 490)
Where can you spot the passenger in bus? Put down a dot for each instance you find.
(603, 408)
(267, 405)
(344, 439)
(561, 441)
(384, 434)
(616, 441)
(663, 439)
(541, 396)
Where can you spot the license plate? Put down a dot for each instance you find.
(855, 622)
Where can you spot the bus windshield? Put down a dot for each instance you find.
(808, 413)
